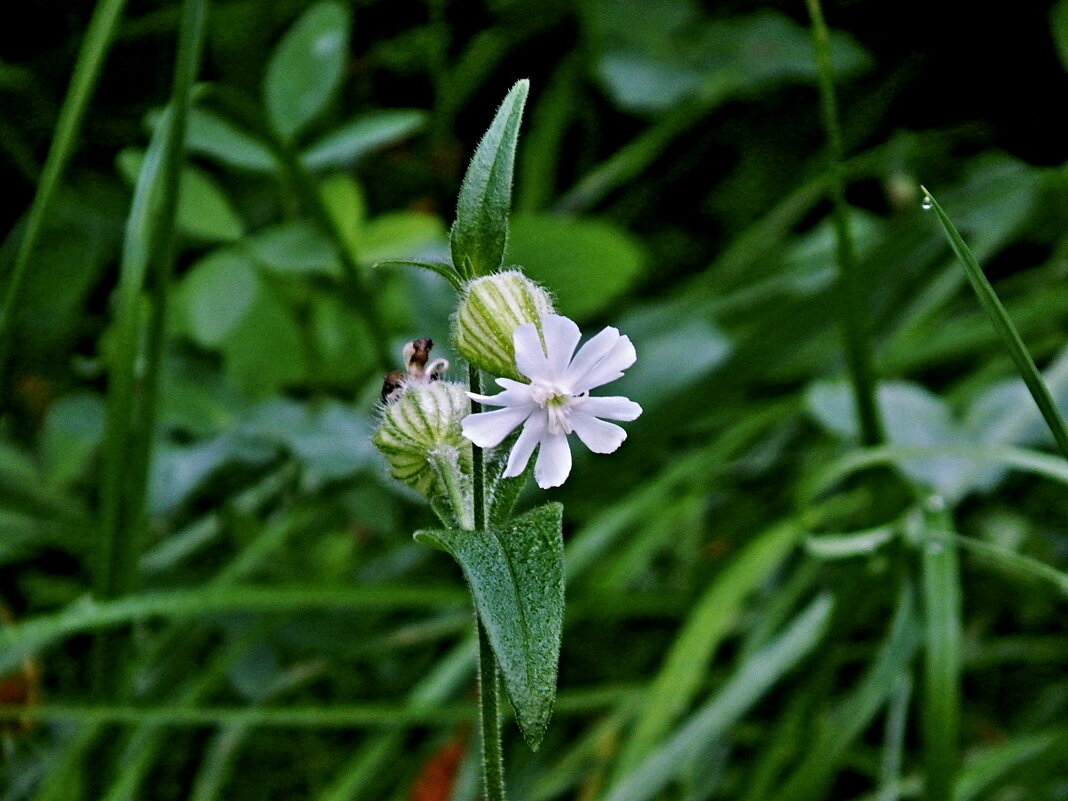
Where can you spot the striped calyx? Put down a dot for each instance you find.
(422, 441)
(490, 310)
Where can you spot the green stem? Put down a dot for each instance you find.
(942, 663)
(490, 719)
(98, 39)
(489, 715)
(447, 470)
(852, 298)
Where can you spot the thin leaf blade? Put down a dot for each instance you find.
(1004, 326)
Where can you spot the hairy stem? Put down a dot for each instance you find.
(489, 716)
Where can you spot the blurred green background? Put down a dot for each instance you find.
(285, 638)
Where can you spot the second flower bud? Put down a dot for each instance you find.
(490, 310)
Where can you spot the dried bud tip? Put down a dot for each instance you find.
(419, 369)
(393, 385)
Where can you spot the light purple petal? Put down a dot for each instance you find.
(532, 432)
(487, 429)
(609, 368)
(561, 338)
(529, 356)
(554, 461)
(597, 435)
(611, 407)
(595, 349)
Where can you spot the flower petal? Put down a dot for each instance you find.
(517, 396)
(554, 461)
(529, 356)
(532, 432)
(609, 368)
(609, 407)
(487, 429)
(597, 435)
(509, 384)
(561, 338)
(595, 349)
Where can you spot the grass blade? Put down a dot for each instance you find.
(147, 246)
(856, 333)
(337, 716)
(98, 38)
(456, 667)
(942, 663)
(749, 683)
(894, 740)
(686, 665)
(22, 639)
(831, 744)
(1025, 365)
(986, 768)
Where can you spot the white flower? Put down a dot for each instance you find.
(556, 402)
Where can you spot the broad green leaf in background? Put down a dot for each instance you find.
(294, 248)
(651, 56)
(220, 140)
(178, 471)
(344, 201)
(369, 132)
(516, 575)
(586, 263)
(913, 417)
(676, 349)
(215, 294)
(400, 235)
(70, 436)
(342, 340)
(480, 232)
(79, 242)
(307, 67)
(204, 210)
(265, 350)
(331, 441)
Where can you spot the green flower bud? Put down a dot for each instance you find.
(421, 439)
(490, 310)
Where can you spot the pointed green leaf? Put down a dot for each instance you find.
(204, 209)
(516, 575)
(480, 232)
(307, 67)
(446, 271)
(220, 140)
(362, 135)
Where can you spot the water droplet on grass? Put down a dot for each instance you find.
(927, 203)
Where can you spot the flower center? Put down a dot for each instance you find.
(555, 403)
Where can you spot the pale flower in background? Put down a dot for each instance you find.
(556, 402)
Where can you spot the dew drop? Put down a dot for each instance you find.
(927, 203)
